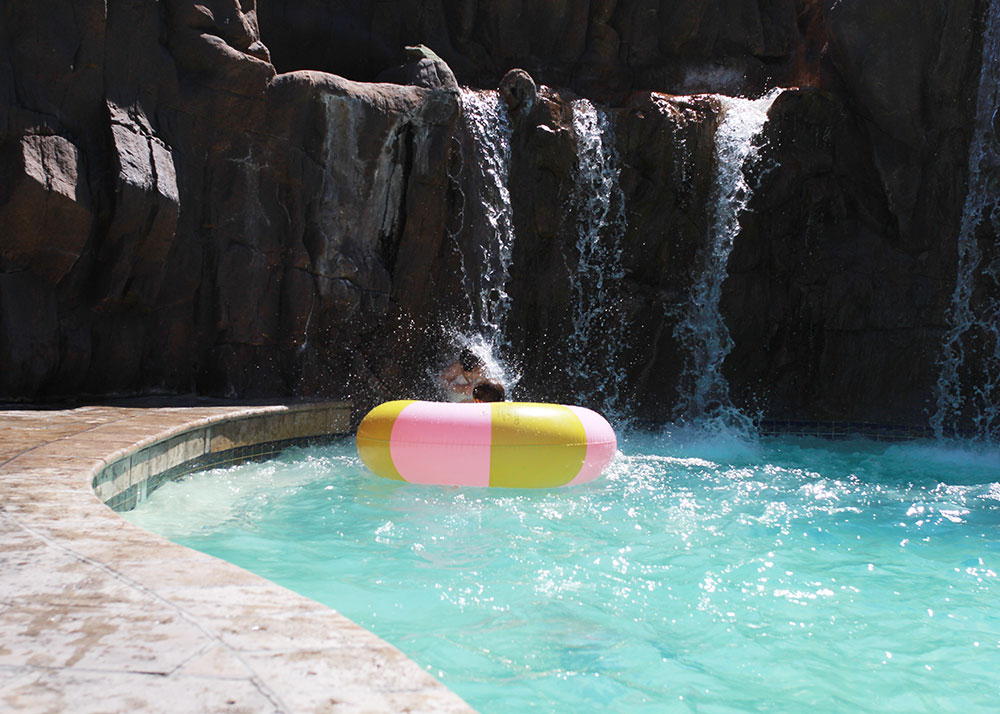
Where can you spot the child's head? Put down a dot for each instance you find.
(488, 392)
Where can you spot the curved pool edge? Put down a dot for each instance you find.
(96, 612)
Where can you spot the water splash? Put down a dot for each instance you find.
(486, 119)
(497, 367)
(704, 392)
(968, 387)
(594, 348)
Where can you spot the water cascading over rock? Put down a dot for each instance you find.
(595, 345)
(481, 233)
(489, 228)
(703, 389)
(968, 388)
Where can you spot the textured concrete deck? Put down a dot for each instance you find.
(98, 615)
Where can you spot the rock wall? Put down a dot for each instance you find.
(220, 198)
(604, 49)
(178, 218)
(844, 274)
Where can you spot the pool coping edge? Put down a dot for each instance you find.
(93, 608)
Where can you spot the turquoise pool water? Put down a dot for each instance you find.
(701, 574)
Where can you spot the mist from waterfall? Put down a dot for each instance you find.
(593, 351)
(968, 390)
(704, 396)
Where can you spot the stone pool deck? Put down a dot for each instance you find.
(98, 615)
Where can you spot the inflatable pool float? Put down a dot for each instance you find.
(511, 444)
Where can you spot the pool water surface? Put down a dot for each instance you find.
(701, 573)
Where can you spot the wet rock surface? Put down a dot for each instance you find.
(218, 197)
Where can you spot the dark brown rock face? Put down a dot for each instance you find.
(219, 197)
(46, 211)
(830, 312)
(201, 224)
(844, 272)
(603, 49)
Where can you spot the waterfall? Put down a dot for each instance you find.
(598, 203)
(488, 123)
(704, 391)
(968, 390)
(484, 232)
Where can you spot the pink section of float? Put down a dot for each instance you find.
(432, 441)
(601, 444)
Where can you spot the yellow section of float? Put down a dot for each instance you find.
(373, 438)
(535, 445)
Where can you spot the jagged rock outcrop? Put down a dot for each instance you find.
(518, 90)
(422, 68)
(216, 196)
(45, 207)
(133, 251)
